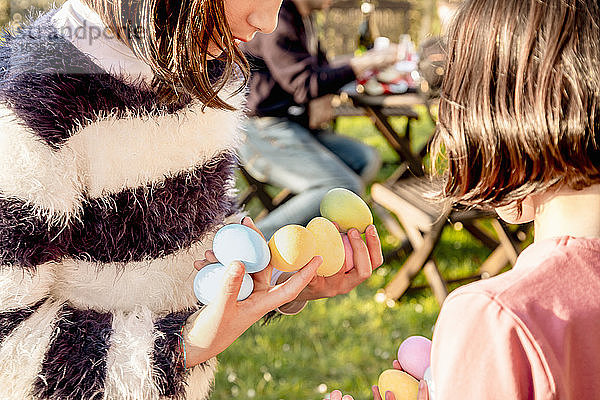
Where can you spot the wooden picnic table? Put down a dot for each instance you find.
(379, 109)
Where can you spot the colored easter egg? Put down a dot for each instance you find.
(404, 386)
(347, 209)
(208, 283)
(329, 245)
(292, 247)
(239, 242)
(414, 355)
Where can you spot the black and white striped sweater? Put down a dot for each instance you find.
(106, 199)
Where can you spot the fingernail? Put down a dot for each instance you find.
(354, 234)
(236, 268)
(372, 230)
(242, 221)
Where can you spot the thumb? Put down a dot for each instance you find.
(375, 391)
(231, 284)
(290, 289)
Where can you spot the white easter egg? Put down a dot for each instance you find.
(208, 284)
(236, 242)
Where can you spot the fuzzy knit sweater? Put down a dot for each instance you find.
(107, 196)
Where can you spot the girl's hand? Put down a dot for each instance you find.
(337, 395)
(365, 257)
(211, 330)
(423, 390)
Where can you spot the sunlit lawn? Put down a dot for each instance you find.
(345, 342)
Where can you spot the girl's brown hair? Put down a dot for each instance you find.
(519, 110)
(173, 37)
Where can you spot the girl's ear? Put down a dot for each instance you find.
(510, 213)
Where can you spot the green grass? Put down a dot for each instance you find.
(345, 342)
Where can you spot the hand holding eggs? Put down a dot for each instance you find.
(339, 205)
(404, 386)
(290, 248)
(231, 243)
(414, 358)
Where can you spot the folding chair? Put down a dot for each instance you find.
(423, 221)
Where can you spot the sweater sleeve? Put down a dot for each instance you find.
(483, 351)
(295, 69)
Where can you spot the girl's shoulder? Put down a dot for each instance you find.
(53, 87)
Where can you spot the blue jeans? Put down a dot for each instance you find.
(285, 154)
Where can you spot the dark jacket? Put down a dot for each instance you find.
(285, 75)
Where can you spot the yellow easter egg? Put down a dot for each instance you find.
(404, 386)
(292, 247)
(347, 209)
(329, 245)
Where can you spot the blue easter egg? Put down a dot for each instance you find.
(237, 242)
(208, 284)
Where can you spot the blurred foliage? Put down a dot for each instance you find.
(339, 26)
(16, 12)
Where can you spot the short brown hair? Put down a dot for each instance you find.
(173, 38)
(519, 110)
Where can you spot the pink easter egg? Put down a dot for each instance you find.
(414, 355)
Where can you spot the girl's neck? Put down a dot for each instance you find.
(568, 212)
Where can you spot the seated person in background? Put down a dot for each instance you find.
(290, 81)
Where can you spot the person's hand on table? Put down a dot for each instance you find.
(212, 329)
(374, 59)
(320, 112)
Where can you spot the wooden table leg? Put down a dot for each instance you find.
(481, 235)
(511, 249)
(415, 261)
(400, 144)
(436, 282)
(494, 263)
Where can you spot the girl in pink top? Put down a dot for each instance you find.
(520, 129)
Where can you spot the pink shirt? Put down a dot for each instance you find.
(530, 333)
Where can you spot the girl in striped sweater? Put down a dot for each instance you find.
(118, 129)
